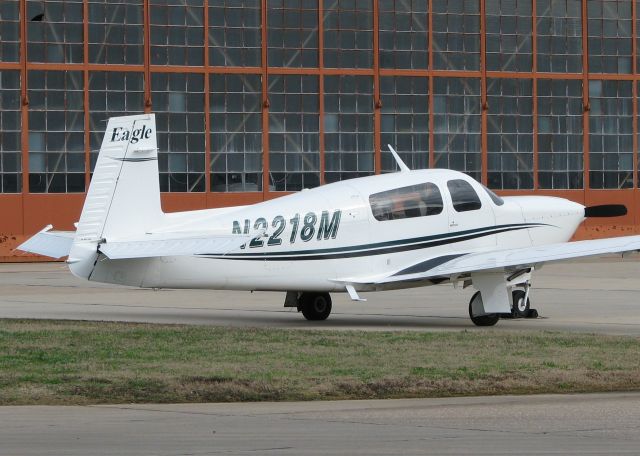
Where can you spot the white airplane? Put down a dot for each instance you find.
(391, 231)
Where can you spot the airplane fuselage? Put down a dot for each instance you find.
(314, 240)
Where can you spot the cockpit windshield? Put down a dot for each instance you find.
(495, 198)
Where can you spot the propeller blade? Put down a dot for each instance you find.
(605, 210)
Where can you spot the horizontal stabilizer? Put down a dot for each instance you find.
(173, 246)
(54, 244)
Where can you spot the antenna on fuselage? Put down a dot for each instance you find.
(403, 168)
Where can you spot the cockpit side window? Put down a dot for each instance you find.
(463, 196)
(418, 200)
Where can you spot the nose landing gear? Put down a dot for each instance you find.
(521, 304)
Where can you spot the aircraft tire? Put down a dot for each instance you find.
(481, 320)
(315, 306)
(520, 309)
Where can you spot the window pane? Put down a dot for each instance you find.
(348, 126)
(560, 148)
(116, 32)
(405, 121)
(456, 129)
(56, 33)
(10, 128)
(235, 33)
(236, 133)
(559, 31)
(293, 33)
(56, 132)
(293, 132)
(509, 35)
(610, 134)
(510, 133)
(456, 35)
(609, 31)
(9, 31)
(178, 101)
(348, 33)
(404, 34)
(177, 32)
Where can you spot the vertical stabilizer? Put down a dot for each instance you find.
(124, 194)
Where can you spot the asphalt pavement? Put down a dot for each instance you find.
(600, 296)
(603, 424)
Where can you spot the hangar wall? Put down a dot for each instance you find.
(256, 98)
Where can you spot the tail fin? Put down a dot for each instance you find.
(124, 194)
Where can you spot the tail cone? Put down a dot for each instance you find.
(82, 259)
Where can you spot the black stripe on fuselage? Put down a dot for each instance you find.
(429, 264)
(381, 248)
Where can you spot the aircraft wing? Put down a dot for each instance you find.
(174, 244)
(54, 244)
(448, 266)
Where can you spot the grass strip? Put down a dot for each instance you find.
(67, 362)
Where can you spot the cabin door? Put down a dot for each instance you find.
(470, 218)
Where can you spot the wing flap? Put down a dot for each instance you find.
(502, 260)
(54, 244)
(528, 256)
(173, 246)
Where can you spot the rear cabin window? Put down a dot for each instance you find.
(407, 202)
(463, 196)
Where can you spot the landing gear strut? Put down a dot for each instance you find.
(314, 306)
(521, 308)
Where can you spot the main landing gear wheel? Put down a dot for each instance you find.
(520, 308)
(315, 306)
(481, 320)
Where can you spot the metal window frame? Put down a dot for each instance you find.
(70, 203)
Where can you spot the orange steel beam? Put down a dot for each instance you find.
(634, 71)
(146, 11)
(611, 77)
(377, 103)
(321, 89)
(115, 67)
(634, 99)
(85, 93)
(24, 105)
(265, 104)
(235, 70)
(207, 101)
(429, 74)
(11, 66)
(530, 75)
(585, 98)
(534, 89)
(483, 93)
